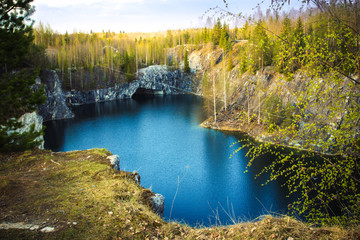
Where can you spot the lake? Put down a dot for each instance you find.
(161, 138)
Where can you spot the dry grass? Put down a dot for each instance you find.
(80, 195)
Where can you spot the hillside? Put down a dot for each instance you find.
(260, 103)
(309, 109)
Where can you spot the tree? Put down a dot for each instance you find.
(292, 48)
(214, 94)
(328, 185)
(216, 33)
(259, 49)
(17, 95)
(324, 170)
(343, 14)
(230, 64)
(225, 42)
(186, 63)
(244, 31)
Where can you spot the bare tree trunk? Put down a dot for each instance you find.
(225, 95)
(70, 77)
(136, 61)
(248, 106)
(82, 79)
(214, 94)
(358, 67)
(259, 110)
(224, 81)
(146, 54)
(112, 62)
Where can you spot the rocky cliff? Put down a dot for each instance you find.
(319, 108)
(152, 80)
(55, 106)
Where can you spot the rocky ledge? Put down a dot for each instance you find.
(153, 80)
(156, 200)
(267, 88)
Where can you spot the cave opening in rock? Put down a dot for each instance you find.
(144, 92)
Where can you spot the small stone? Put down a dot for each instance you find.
(34, 227)
(47, 229)
(110, 213)
(157, 202)
(114, 161)
(136, 176)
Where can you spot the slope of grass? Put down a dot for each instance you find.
(82, 197)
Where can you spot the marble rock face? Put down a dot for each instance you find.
(153, 80)
(55, 106)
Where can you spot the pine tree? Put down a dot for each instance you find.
(298, 46)
(225, 38)
(186, 63)
(244, 31)
(17, 95)
(261, 51)
(216, 33)
(284, 56)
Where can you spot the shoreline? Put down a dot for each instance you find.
(254, 135)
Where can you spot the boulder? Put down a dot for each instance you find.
(114, 161)
(158, 205)
(29, 119)
(136, 177)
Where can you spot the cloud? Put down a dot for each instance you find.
(70, 3)
(116, 15)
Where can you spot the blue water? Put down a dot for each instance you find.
(160, 137)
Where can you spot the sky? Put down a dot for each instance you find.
(130, 15)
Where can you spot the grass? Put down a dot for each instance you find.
(80, 195)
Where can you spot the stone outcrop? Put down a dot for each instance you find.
(158, 206)
(55, 106)
(253, 92)
(114, 161)
(98, 95)
(136, 177)
(28, 119)
(156, 200)
(164, 80)
(153, 80)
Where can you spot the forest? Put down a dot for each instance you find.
(289, 41)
